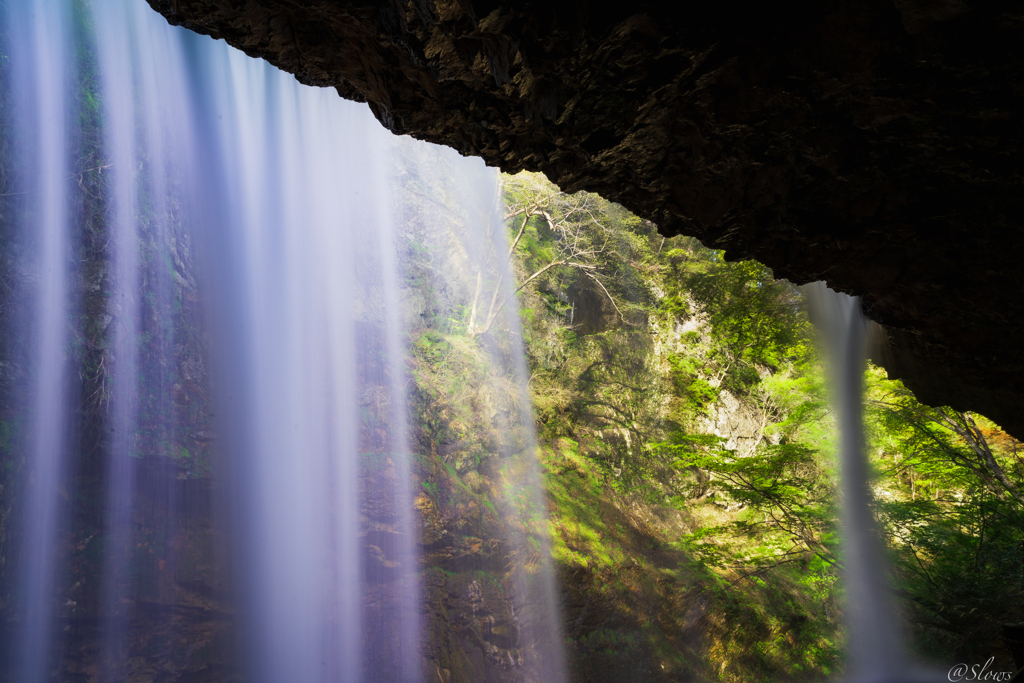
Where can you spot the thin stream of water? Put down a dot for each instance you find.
(876, 640)
(123, 313)
(40, 78)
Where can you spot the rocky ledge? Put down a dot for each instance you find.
(875, 144)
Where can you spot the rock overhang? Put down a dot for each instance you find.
(873, 144)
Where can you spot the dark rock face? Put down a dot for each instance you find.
(870, 143)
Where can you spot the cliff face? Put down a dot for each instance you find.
(870, 143)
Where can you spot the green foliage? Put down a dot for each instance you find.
(786, 495)
(639, 402)
(676, 306)
(955, 514)
(696, 392)
(757, 318)
(638, 363)
(431, 346)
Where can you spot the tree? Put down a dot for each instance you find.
(757, 318)
(954, 511)
(578, 237)
(942, 439)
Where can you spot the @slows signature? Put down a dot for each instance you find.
(977, 672)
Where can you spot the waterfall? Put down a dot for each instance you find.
(214, 344)
(481, 265)
(40, 82)
(876, 640)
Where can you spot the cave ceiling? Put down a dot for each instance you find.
(872, 144)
